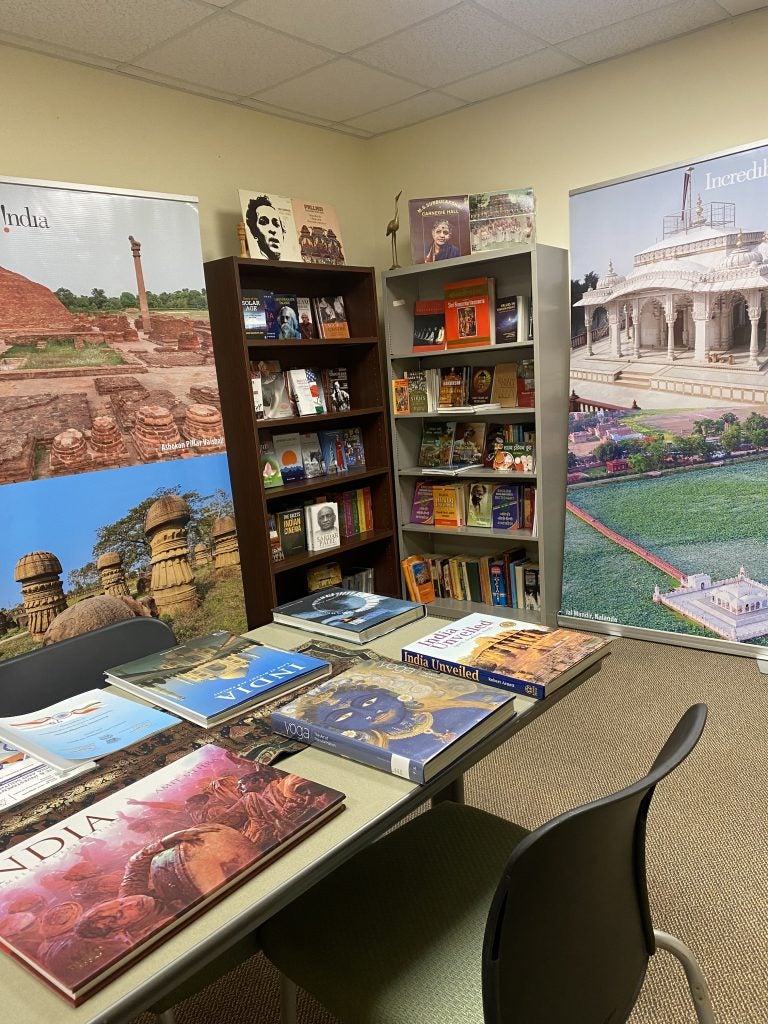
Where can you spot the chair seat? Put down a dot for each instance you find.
(404, 932)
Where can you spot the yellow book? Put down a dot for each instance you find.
(448, 504)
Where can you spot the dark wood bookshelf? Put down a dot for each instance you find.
(267, 583)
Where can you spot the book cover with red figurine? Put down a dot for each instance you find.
(84, 898)
(470, 312)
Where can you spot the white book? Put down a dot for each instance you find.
(305, 392)
(258, 394)
(322, 521)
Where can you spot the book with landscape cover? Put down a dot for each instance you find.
(429, 325)
(518, 656)
(402, 720)
(154, 854)
(348, 614)
(216, 677)
(439, 228)
(470, 312)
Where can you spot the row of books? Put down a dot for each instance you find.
(289, 458)
(276, 316)
(471, 315)
(321, 523)
(509, 579)
(301, 391)
(465, 388)
(504, 447)
(487, 505)
(329, 574)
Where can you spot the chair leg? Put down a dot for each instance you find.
(167, 1016)
(693, 972)
(288, 996)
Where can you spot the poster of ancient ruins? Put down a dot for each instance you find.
(114, 485)
(668, 432)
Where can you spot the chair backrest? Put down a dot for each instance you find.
(34, 680)
(569, 932)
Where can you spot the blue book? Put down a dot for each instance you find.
(348, 614)
(213, 678)
(400, 719)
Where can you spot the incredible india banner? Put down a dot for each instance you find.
(668, 431)
(114, 487)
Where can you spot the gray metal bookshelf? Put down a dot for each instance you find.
(540, 271)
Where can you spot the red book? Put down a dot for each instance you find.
(470, 313)
(84, 898)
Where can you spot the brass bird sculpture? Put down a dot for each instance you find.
(392, 229)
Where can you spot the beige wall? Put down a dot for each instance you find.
(663, 105)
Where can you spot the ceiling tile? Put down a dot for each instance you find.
(419, 108)
(742, 6)
(234, 55)
(347, 130)
(515, 75)
(268, 108)
(116, 29)
(654, 27)
(339, 91)
(38, 46)
(460, 42)
(341, 25)
(176, 83)
(554, 20)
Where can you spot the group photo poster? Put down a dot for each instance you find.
(668, 424)
(114, 483)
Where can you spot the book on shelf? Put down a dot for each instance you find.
(159, 851)
(354, 448)
(453, 388)
(332, 442)
(526, 384)
(418, 578)
(508, 320)
(401, 402)
(348, 615)
(470, 312)
(331, 316)
(448, 501)
(83, 728)
(275, 395)
(359, 579)
(500, 219)
(213, 678)
(529, 506)
(518, 656)
(321, 577)
(275, 546)
(23, 776)
(258, 395)
(319, 232)
(287, 448)
(506, 507)
(505, 441)
(282, 317)
(481, 385)
(307, 327)
(436, 443)
(418, 391)
(270, 227)
(468, 445)
(514, 457)
(305, 392)
(336, 386)
(531, 588)
(312, 455)
(429, 325)
(270, 466)
(479, 498)
(439, 228)
(422, 505)
(254, 313)
(504, 388)
(291, 531)
(400, 719)
(322, 521)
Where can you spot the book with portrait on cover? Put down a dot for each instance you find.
(402, 720)
(356, 616)
(88, 896)
(517, 656)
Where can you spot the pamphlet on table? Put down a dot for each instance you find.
(23, 776)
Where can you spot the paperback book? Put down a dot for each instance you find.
(517, 656)
(305, 392)
(479, 502)
(254, 313)
(312, 455)
(275, 396)
(213, 678)
(354, 448)
(291, 531)
(319, 232)
(470, 312)
(270, 228)
(155, 854)
(270, 467)
(282, 317)
(332, 443)
(469, 444)
(348, 614)
(331, 316)
(506, 507)
(418, 578)
(418, 391)
(307, 328)
(429, 325)
(337, 393)
(402, 720)
(287, 449)
(401, 399)
(439, 228)
(322, 521)
(436, 443)
(422, 506)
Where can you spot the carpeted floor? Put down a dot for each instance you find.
(707, 851)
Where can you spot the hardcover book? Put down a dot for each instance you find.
(288, 452)
(422, 506)
(397, 718)
(348, 614)
(319, 233)
(436, 443)
(439, 228)
(337, 393)
(320, 577)
(291, 531)
(506, 507)
(331, 316)
(504, 389)
(418, 578)
(312, 455)
(270, 228)
(322, 521)
(429, 325)
(275, 396)
(517, 656)
(305, 392)
(283, 317)
(254, 313)
(470, 312)
(332, 442)
(307, 328)
(148, 858)
(213, 678)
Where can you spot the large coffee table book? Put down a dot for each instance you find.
(512, 655)
(159, 851)
(213, 678)
(348, 614)
(539, 272)
(79, 729)
(403, 720)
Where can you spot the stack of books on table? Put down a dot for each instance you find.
(214, 678)
(356, 616)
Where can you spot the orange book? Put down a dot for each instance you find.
(447, 500)
(401, 401)
(470, 313)
(418, 579)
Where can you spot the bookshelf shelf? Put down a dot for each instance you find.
(538, 271)
(267, 583)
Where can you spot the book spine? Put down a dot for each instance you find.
(375, 757)
(368, 508)
(477, 675)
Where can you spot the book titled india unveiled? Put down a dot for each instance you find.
(517, 656)
(84, 898)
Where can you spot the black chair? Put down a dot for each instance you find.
(463, 918)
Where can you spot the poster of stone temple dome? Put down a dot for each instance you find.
(668, 428)
(108, 404)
